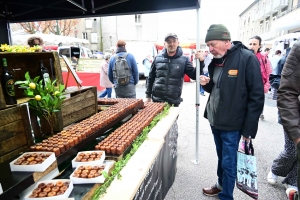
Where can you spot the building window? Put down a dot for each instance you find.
(88, 24)
(138, 19)
(94, 38)
(267, 26)
(84, 35)
(261, 28)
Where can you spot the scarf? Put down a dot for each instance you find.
(120, 49)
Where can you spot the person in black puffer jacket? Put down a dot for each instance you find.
(167, 71)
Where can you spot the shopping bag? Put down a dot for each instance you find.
(246, 179)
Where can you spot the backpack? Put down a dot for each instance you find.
(121, 71)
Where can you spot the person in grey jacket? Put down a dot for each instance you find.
(288, 99)
(167, 71)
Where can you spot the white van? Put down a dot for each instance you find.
(77, 51)
(140, 50)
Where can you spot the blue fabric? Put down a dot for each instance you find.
(107, 92)
(134, 78)
(201, 88)
(227, 143)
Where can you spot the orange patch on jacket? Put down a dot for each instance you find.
(233, 72)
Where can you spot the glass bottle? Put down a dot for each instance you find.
(8, 85)
(44, 73)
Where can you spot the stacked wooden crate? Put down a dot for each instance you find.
(15, 131)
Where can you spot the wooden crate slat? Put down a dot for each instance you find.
(78, 105)
(2, 99)
(10, 115)
(78, 115)
(11, 130)
(12, 143)
(13, 153)
(79, 97)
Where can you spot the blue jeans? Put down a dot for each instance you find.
(227, 144)
(201, 88)
(107, 92)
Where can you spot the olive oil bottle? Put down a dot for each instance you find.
(8, 85)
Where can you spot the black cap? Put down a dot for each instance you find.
(171, 35)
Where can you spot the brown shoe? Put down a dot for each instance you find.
(212, 191)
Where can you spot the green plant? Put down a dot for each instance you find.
(45, 99)
(122, 163)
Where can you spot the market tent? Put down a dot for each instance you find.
(37, 10)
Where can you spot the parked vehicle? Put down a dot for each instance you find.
(75, 51)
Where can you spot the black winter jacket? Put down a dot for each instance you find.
(166, 77)
(241, 92)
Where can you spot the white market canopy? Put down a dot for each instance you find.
(48, 39)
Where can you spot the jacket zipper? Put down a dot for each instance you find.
(168, 78)
(219, 78)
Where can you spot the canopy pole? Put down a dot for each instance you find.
(196, 161)
(5, 33)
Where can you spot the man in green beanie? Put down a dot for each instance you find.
(235, 103)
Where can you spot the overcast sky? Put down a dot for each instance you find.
(212, 12)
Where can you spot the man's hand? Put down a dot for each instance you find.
(147, 100)
(246, 139)
(200, 55)
(204, 80)
(297, 141)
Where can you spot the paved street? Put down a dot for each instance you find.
(190, 178)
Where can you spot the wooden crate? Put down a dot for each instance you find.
(80, 104)
(15, 132)
(20, 63)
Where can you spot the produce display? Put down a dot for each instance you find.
(32, 159)
(61, 142)
(88, 171)
(50, 189)
(120, 139)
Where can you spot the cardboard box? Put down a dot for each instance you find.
(63, 196)
(97, 162)
(99, 179)
(33, 168)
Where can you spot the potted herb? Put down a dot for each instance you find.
(45, 97)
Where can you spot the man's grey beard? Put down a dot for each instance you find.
(218, 56)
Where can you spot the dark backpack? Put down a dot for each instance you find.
(121, 71)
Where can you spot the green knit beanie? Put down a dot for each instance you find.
(217, 32)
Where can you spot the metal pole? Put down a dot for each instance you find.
(196, 161)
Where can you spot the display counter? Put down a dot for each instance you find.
(87, 78)
(151, 171)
